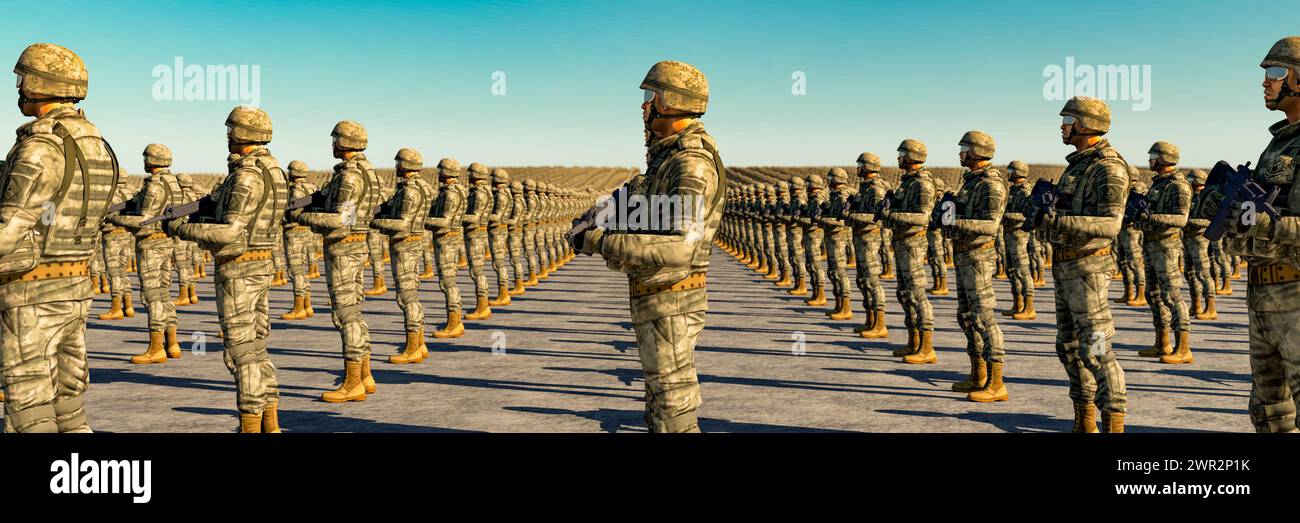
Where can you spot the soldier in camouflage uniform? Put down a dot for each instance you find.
(909, 216)
(478, 205)
(377, 243)
(299, 244)
(403, 222)
(838, 237)
(516, 221)
(498, 220)
(1016, 242)
(249, 203)
(530, 232)
(1132, 262)
(1197, 261)
(790, 214)
(350, 200)
(780, 234)
(1162, 247)
(666, 268)
(44, 292)
(117, 255)
(183, 251)
(154, 249)
(1219, 272)
(767, 229)
(935, 246)
(813, 237)
(445, 223)
(866, 241)
(1086, 219)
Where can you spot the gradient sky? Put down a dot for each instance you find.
(419, 75)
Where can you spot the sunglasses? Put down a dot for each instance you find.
(1274, 74)
(1068, 120)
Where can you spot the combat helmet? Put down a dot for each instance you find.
(448, 168)
(1093, 114)
(478, 171)
(530, 185)
(49, 72)
(157, 155)
(517, 186)
(1164, 153)
(797, 183)
(350, 136)
(679, 86)
(1197, 177)
(978, 144)
(913, 151)
(1017, 169)
(838, 176)
(815, 182)
(249, 125)
(782, 187)
(870, 162)
(500, 176)
(185, 180)
(409, 160)
(297, 169)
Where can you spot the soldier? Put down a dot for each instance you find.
(44, 292)
(377, 242)
(1196, 254)
(516, 220)
(154, 249)
(666, 269)
(1132, 262)
(117, 253)
(445, 223)
(183, 251)
(498, 220)
(794, 231)
(909, 216)
(403, 222)
(299, 244)
(838, 237)
(935, 243)
(240, 231)
(813, 236)
(1086, 219)
(1162, 245)
(529, 236)
(1271, 247)
(1016, 244)
(767, 231)
(780, 234)
(866, 240)
(477, 206)
(350, 200)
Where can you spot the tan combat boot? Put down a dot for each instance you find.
(155, 353)
(173, 346)
(128, 310)
(519, 288)
(1209, 313)
(1236, 272)
(1015, 307)
(1085, 418)
(250, 423)
(297, 313)
(427, 274)
(818, 298)
(1161, 347)
(772, 273)
(1112, 422)
(352, 389)
(415, 350)
(367, 381)
(1128, 294)
(785, 280)
(800, 287)
(104, 288)
(925, 351)
(978, 376)
(379, 287)
(532, 279)
(481, 310)
(878, 329)
(941, 286)
(313, 270)
(1182, 351)
(888, 274)
(1027, 311)
(503, 297)
(996, 389)
(843, 309)
(867, 323)
(183, 299)
(1195, 308)
(1225, 289)
(194, 296)
(1139, 297)
(1038, 279)
(271, 418)
(913, 339)
(114, 310)
(454, 328)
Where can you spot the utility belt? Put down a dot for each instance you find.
(868, 230)
(450, 232)
(353, 238)
(45, 271)
(978, 247)
(155, 236)
(251, 255)
(694, 281)
(1276, 273)
(117, 230)
(1169, 233)
(411, 238)
(905, 237)
(1066, 254)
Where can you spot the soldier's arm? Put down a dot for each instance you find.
(1111, 196)
(1013, 217)
(451, 202)
(922, 217)
(34, 177)
(1182, 205)
(695, 177)
(1195, 221)
(992, 200)
(350, 187)
(151, 205)
(244, 197)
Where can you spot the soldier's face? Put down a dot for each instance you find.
(1274, 78)
(1067, 128)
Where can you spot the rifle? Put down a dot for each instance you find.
(128, 207)
(1043, 198)
(884, 205)
(202, 209)
(937, 215)
(1137, 208)
(1238, 188)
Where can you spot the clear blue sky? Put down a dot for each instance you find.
(420, 75)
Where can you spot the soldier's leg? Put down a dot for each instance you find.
(278, 258)
(1083, 388)
(925, 315)
(345, 275)
(797, 255)
(667, 350)
(477, 247)
(154, 270)
(1155, 291)
(405, 259)
(1172, 283)
(1274, 357)
(115, 261)
(500, 258)
(983, 301)
(299, 252)
(242, 294)
(28, 360)
(518, 261)
(967, 293)
(1094, 328)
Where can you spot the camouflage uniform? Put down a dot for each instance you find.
(935, 246)
(794, 232)
(117, 257)
(813, 236)
(478, 205)
(498, 220)
(867, 245)
(1162, 246)
(299, 246)
(249, 202)
(518, 216)
(1016, 244)
(1132, 262)
(909, 216)
(403, 220)
(780, 234)
(838, 237)
(529, 234)
(1197, 262)
(445, 223)
(43, 319)
(183, 251)
(377, 242)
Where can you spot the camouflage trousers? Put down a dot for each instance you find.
(975, 303)
(812, 248)
(447, 250)
(429, 264)
(837, 258)
(672, 388)
(1132, 265)
(183, 258)
(886, 250)
(781, 251)
(43, 357)
(535, 253)
(117, 258)
(475, 247)
(1016, 258)
(518, 261)
(376, 244)
(935, 249)
(1274, 312)
(499, 241)
(1165, 283)
(277, 252)
(154, 267)
(96, 264)
(1084, 330)
(551, 244)
(299, 246)
(405, 256)
(1035, 258)
(769, 244)
(243, 289)
(910, 264)
(866, 245)
(794, 241)
(345, 274)
(1196, 265)
(1220, 271)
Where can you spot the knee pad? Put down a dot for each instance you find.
(249, 353)
(37, 419)
(70, 414)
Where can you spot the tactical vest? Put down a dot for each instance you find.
(908, 198)
(693, 140)
(476, 204)
(261, 231)
(371, 196)
(424, 202)
(1276, 167)
(1164, 197)
(173, 195)
(503, 205)
(973, 202)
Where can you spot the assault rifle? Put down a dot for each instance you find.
(1238, 188)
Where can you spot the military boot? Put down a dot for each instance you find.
(1085, 418)
(313, 270)
(415, 349)
(947, 261)
(173, 346)
(800, 287)
(1002, 272)
(924, 352)
(306, 304)
(1225, 289)
(1161, 347)
(1027, 311)
(878, 329)
(1195, 308)
(155, 353)
(1182, 351)
(481, 310)
(785, 280)
(913, 337)
(772, 273)
(367, 381)
(762, 268)
(867, 323)
(503, 297)
(843, 309)
(1015, 306)
(1139, 297)
(1128, 294)
(532, 279)
(351, 389)
(128, 310)
(1112, 422)
(427, 274)
(114, 310)
(1236, 272)
(996, 389)
(1038, 279)
(103, 284)
(194, 296)
(940, 286)
(1209, 313)
(454, 328)
(819, 297)
(888, 274)
(250, 423)
(519, 287)
(379, 287)
(183, 299)
(271, 418)
(297, 313)
(976, 380)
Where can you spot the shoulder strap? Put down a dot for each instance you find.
(72, 153)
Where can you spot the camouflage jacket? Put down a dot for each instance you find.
(479, 203)
(352, 196)
(503, 203)
(518, 210)
(160, 191)
(1093, 190)
(981, 202)
(250, 203)
(838, 203)
(870, 192)
(1277, 167)
(414, 198)
(1017, 204)
(1197, 222)
(445, 215)
(1171, 199)
(809, 207)
(298, 189)
(909, 211)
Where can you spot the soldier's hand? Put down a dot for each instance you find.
(1251, 224)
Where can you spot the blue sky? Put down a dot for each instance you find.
(420, 75)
